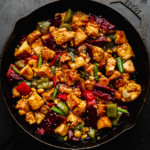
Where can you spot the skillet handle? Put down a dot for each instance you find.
(134, 8)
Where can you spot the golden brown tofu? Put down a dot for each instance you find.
(89, 84)
(62, 36)
(43, 71)
(30, 117)
(15, 93)
(101, 110)
(125, 51)
(46, 36)
(47, 54)
(130, 91)
(27, 72)
(98, 53)
(89, 68)
(33, 36)
(75, 120)
(79, 62)
(65, 57)
(110, 66)
(44, 109)
(64, 89)
(23, 51)
(128, 66)
(23, 106)
(80, 37)
(78, 20)
(80, 109)
(115, 75)
(104, 122)
(103, 80)
(58, 75)
(35, 101)
(37, 46)
(81, 48)
(39, 117)
(77, 91)
(104, 59)
(47, 96)
(120, 37)
(62, 129)
(122, 80)
(70, 76)
(72, 100)
(92, 29)
(118, 95)
(33, 63)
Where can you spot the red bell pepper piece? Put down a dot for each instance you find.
(51, 104)
(23, 89)
(92, 18)
(35, 57)
(62, 96)
(54, 81)
(101, 66)
(56, 57)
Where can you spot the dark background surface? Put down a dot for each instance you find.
(13, 138)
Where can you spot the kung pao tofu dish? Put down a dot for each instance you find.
(72, 76)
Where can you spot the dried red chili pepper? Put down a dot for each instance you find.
(54, 81)
(100, 41)
(62, 96)
(56, 21)
(23, 89)
(35, 57)
(56, 57)
(22, 39)
(89, 51)
(92, 18)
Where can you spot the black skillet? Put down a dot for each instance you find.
(27, 24)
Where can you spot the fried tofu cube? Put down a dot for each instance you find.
(23, 51)
(125, 51)
(101, 110)
(128, 66)
(39, 117)
(103, 80)
(76, 91)
(62, 36)
(89, 68)
(44, 109)
(43, 71)
(70, 76)
(72, 101)
(110, 66)
(104, 122)
(37, 46)
(64, 89)
(30, 117)
(104, 59)
(15, 93)
(79, 62)
(120, 37)
(80, 109)
(62, 129)
(92, 29)
(80, 37)
(98, 53)
(47, 54)
(89, 84)
(78, 20)
(23, 106)
(27, 72)
(122, 80)
(47, 96)
(75, 120)
(35, 101)
(33, 36)
(58, 75)
(65, 57)
(115, 75)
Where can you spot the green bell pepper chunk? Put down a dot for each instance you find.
(53, 70)
(43, 83)
(112, 110)
(66, 25)
(20, 64)
(91, 132)
(33, 83)
(63, 107)
(58, 111)
(28, 83)
(68, 17)
(116, 120)
(78, 128)
(43, 26)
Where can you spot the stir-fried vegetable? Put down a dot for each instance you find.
(120, 64)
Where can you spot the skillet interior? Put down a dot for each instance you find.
(27, 24)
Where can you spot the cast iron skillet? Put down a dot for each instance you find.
(27, 24)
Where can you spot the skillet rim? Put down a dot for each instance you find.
(102, 143)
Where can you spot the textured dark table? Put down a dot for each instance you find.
(12, 138)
